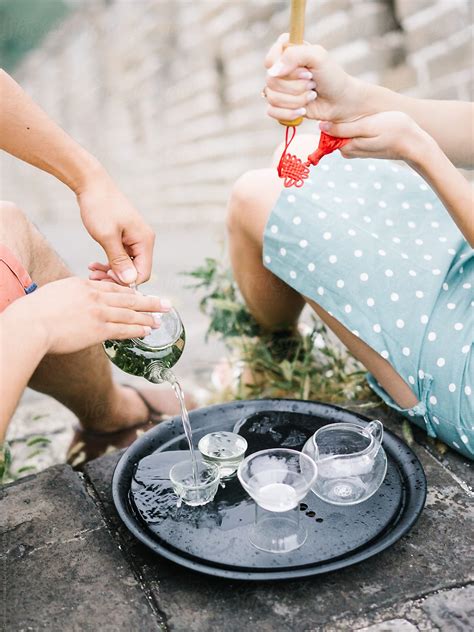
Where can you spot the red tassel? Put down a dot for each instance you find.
(292, 169)
(327, 144)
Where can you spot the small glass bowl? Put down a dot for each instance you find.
(277, 480)
(190, 491)
(224, 449)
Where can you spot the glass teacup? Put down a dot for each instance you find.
(197, 485)
(225, 449)
(351, 461)
(277, 480)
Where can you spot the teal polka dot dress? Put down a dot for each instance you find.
(372, 244)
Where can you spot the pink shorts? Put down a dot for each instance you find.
(14, 279)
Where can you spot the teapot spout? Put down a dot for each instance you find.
(375, 428)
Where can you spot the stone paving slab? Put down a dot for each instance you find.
(445, 610)
(427, 560)
(45, 509)
(452, 610)
(60, 569)
(393, 625)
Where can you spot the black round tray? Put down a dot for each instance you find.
(213, 539)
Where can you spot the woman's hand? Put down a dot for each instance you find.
(119, 228)
(392, 135)
(73, 314)
(305, 81)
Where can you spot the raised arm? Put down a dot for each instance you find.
(29, 134)
(306, 77)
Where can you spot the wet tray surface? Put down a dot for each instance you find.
(214, 538)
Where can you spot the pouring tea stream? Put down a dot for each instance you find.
(153, 357)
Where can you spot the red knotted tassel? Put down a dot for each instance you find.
(292, 169)
(327, 144)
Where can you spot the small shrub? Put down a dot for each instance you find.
(301, 364)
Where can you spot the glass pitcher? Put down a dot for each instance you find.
(151, 357)
(351, 461)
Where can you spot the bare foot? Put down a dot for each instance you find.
(129, 409)
(129, 418)
(162, 399)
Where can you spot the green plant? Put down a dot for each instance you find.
(5, 462)
(16, 462)
(301, 364)
(222, 302)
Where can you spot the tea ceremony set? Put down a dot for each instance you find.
(264, 489)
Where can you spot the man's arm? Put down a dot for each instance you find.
(22, 346)
(29, 134)
(64, 317)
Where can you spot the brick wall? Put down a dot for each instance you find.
(167, 92)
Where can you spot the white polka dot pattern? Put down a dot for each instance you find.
(372, 244)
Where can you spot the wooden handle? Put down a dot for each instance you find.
(296, 37)
(297, 21)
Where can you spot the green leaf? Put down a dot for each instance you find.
(407, 432)
(225, 304)
(287, 370)
(38, 441)
(5, 461)
(26, 468)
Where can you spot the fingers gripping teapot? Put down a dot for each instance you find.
(351, 461)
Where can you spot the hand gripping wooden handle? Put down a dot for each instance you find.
(296, 37)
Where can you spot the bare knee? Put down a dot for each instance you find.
(15, 231)
(242, 200)
(252, 198)
(29, 246)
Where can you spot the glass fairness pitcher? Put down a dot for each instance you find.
(351, 461)
(151, 357)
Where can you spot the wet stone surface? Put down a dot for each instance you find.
(70, 564)
(392, 625)
(59, 568)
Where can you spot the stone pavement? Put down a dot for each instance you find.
(68, 564)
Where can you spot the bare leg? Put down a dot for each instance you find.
(271, 301)
(81, 381)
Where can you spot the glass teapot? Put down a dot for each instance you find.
(154, 355)
(351, 461)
